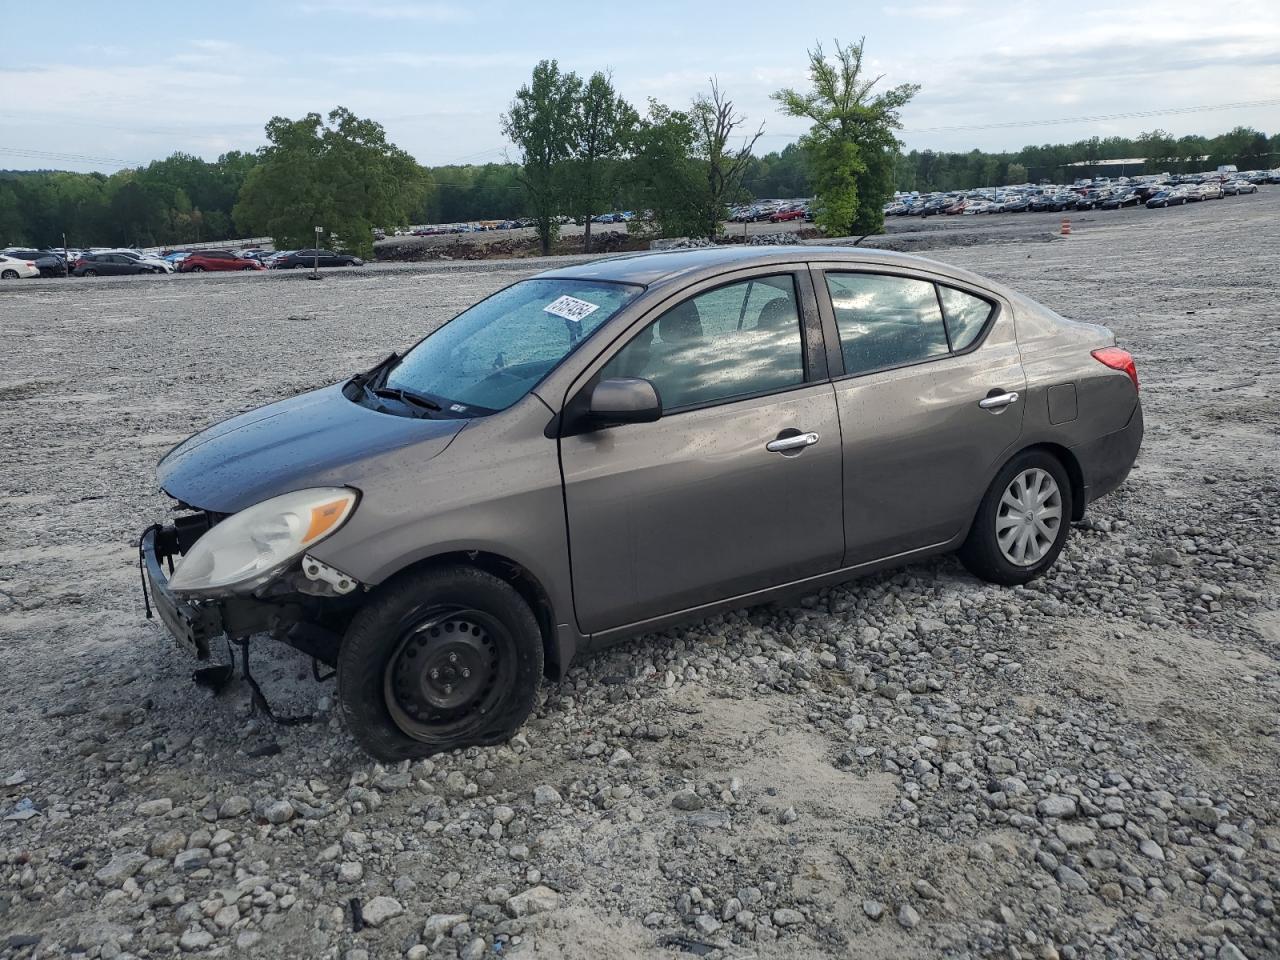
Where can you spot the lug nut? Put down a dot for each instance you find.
(466, 672)
(435, 674)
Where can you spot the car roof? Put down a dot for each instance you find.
(652, 268)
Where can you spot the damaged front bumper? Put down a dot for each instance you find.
(194, 623)
(306, 611)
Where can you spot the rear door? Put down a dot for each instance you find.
(929, 385)
(706, 504)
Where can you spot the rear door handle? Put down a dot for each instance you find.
(793, 443)
(998, 401)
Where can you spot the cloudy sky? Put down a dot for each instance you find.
(103, 91)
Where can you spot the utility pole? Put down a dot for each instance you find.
(315, 263)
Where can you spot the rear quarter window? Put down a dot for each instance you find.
(965, 316)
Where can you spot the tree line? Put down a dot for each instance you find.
(928, 170)
(580, 149)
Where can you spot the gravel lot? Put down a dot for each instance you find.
(913, 765)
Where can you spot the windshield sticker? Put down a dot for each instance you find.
(570, 308)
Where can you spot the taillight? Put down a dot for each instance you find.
(1118, 359)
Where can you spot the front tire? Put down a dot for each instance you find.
(439, 659)
(1023, 521)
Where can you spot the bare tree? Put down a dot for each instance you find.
(715, 122)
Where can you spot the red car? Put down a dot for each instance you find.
(201, 260)
(794, 213)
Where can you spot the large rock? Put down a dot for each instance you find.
(1057, 805)
(537, 899)
(275, 811)
(546, 795)
(194, 938)
(381, 909)
(154, 808)
(121, 868)
(439, 924)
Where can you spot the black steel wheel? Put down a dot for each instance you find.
(438, 659)
(449, 669)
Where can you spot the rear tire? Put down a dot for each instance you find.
(439, 659)
(9, 275)
(197, 270)
(1016, 536)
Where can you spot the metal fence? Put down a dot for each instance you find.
(214, 245)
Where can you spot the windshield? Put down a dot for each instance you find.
(491, 355)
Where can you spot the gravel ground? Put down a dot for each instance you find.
(913, 765)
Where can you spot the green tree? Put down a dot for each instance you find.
(779, 174)
(603, 125)
(852, 139)
(342, 175)
(540, 122)
(664, 182)
(714, 122)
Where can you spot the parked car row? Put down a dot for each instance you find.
(773, 211)
(22, 263)
(1101, 193)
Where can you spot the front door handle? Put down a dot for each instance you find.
(791, 444)
(998, 401)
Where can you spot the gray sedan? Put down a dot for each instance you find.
(606, 449)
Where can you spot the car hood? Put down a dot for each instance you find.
(315, 439)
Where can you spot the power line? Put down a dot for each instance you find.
(71, 157)
(1132, 115)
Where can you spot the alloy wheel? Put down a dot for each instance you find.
(1029, 517)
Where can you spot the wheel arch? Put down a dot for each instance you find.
(1069, 463)
(523, 581)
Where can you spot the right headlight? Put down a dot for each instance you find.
(253, 546)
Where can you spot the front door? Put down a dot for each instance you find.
(736, 488)
(930, 400)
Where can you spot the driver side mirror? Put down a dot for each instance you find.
(625, 400)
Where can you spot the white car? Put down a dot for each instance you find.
(12, 268)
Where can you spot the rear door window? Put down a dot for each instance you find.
(886, 321)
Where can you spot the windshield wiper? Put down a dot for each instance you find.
(379, 370)
(407, 396)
